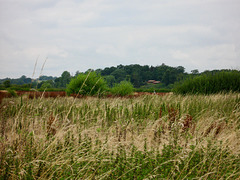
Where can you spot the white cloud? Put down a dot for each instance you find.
(222, 56)
(110, 50)
(77, 35)
(177, 54)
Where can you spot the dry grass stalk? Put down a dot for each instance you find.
(172, 116)
(51, 131)
(85, 128)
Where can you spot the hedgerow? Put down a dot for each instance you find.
(221, 82)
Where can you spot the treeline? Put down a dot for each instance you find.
(138, 75)
(25, 83)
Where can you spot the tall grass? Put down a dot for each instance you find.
(149, 137)
(210, 83)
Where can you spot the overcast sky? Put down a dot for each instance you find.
(81, 34)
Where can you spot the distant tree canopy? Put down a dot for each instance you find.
(62, 81)
(110, 79)
(7, 84)
(138, 75)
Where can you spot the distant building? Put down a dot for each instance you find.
(153, 82)
(156, 82)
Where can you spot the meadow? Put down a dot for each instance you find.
(145, 137)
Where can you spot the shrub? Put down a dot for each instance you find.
(87, 84)
(12, 92)
(46, 85)
(210, 84)
(123, 88)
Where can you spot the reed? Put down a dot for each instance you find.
(146, 137)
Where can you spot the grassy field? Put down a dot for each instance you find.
(146, 137)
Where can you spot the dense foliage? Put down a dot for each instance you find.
(138, 75)
(87, 84)
(122, 89)
(209, 83)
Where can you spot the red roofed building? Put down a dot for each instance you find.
(153, 82)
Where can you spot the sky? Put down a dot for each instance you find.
(77, 35)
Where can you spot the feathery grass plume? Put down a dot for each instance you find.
(34, 70)
(41, 70)
(128, 138)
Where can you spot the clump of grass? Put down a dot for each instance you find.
(149, 137)
(210, 84)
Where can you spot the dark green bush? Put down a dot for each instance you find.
(210, 84)
(122, 89)
(87, 84)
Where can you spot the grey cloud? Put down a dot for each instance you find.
(77, 35)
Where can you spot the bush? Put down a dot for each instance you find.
(87, 84)
(210, 84)
(12, 92)
(46, 85)
(123, 88)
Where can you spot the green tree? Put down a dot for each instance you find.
(66, 78)
(136, 79)
(195, 71)
(108, 71)
(119, 75)
(62, 81)
(7, 83)
(110, 79)
(180, 69)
